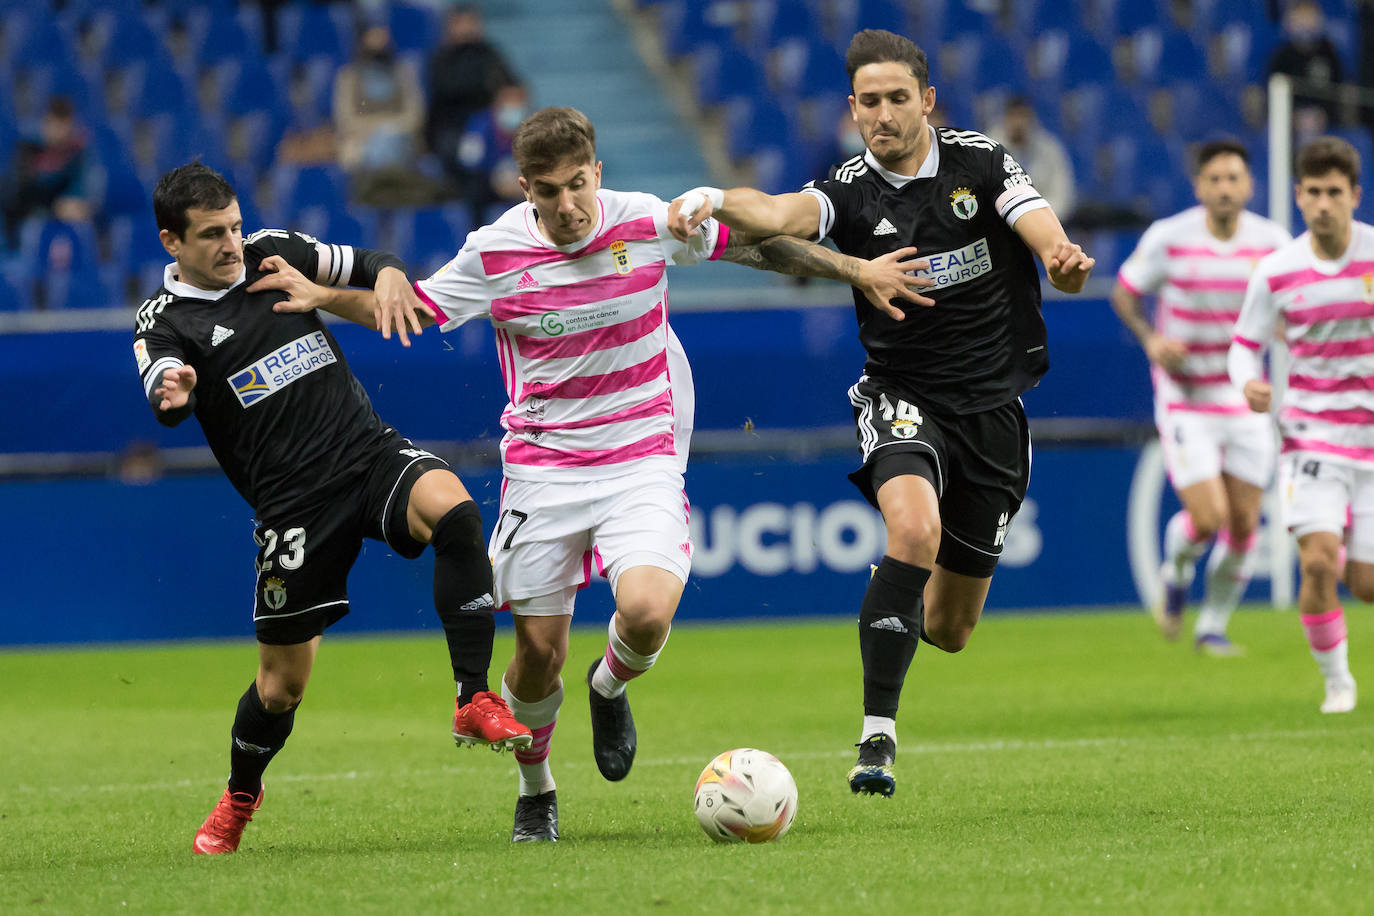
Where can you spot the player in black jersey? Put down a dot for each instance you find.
(297, 437)
(946, 452)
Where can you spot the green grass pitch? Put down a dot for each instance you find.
(1062, 763)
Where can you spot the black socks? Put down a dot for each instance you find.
(463, 596)
(889, 629)
(258, 735)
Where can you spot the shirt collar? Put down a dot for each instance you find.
(928, 168)
(187, 291)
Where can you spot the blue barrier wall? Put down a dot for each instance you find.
(102, 560)
(78, 391)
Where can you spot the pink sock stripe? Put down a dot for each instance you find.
(1189, 529)
(619, 670)
(1325, 631)
(1225, 537)
(539, 749)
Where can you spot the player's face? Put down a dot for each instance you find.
(890, 109)
(565, 199)
(1327, 203)
(1224, 186)
(210, 254)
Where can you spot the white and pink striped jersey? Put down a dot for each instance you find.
(1327, 308)
(598, 383)
(1200, 281)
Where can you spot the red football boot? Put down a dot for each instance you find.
(488, 721)
(223, 829)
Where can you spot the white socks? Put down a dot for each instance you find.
(620, 665)
(540, 717)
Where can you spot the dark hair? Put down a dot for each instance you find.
(550, 137)
(59, 106)
(875, 46)
(1223, 147)
(187, 186)
(1326, 153)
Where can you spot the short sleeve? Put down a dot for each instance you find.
(1010, 187)
(157, 345)
(838, 199)
(458, 292)
(1144, 271)
(325, 263)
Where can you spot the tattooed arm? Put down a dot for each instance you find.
(880, 280)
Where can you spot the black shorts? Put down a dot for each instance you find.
(981, 465)
(305, 554)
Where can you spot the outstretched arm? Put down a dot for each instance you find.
(746, 210)
(881, 280)
(361, 306)
(1065, 263)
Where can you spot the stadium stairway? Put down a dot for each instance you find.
(584, 57)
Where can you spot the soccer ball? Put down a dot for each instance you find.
(745, 795)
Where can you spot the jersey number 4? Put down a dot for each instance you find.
(291, 557)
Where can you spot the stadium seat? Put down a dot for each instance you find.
(687, 26)
(756, 124)
(309, 30)
(414, 27)
(725, 73)
(65, 266)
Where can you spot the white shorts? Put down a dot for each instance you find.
(550, 537)
(1201, 446)
(1323, 495)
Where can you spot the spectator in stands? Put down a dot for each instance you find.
(1039, 152)
(378, 120)
(485, 151)
(47, 173)
(1309, 56)
(465, 73)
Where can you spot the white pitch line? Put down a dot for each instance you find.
(948, 747)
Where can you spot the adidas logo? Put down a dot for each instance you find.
(477, 604)
(884, 228)
(888, 623)
(526, 282)
(251, 748)
(219, 335)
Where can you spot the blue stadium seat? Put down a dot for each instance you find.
(66, 266)
(308, 30)
(1202, 111)
(1087, 62)
(754, 124)
(311, 185)
(414, 27)
(686, 27)
(1168, 56)
(725, 73)
(428, 238)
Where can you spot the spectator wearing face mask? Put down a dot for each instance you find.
(465, 72)
(491, 178)
(1308, 55)
(379, 113)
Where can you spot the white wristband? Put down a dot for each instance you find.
(693, 199)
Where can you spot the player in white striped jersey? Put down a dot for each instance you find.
(1219, 455)
(1320, 289)
(598, 423)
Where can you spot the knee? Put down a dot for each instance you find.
(1319, 568)
(1241, 530)
(644, 617)
(544, 655)
(279, 695)
(915, 536)
(950, 638)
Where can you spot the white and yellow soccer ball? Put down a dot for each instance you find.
(745, 796)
